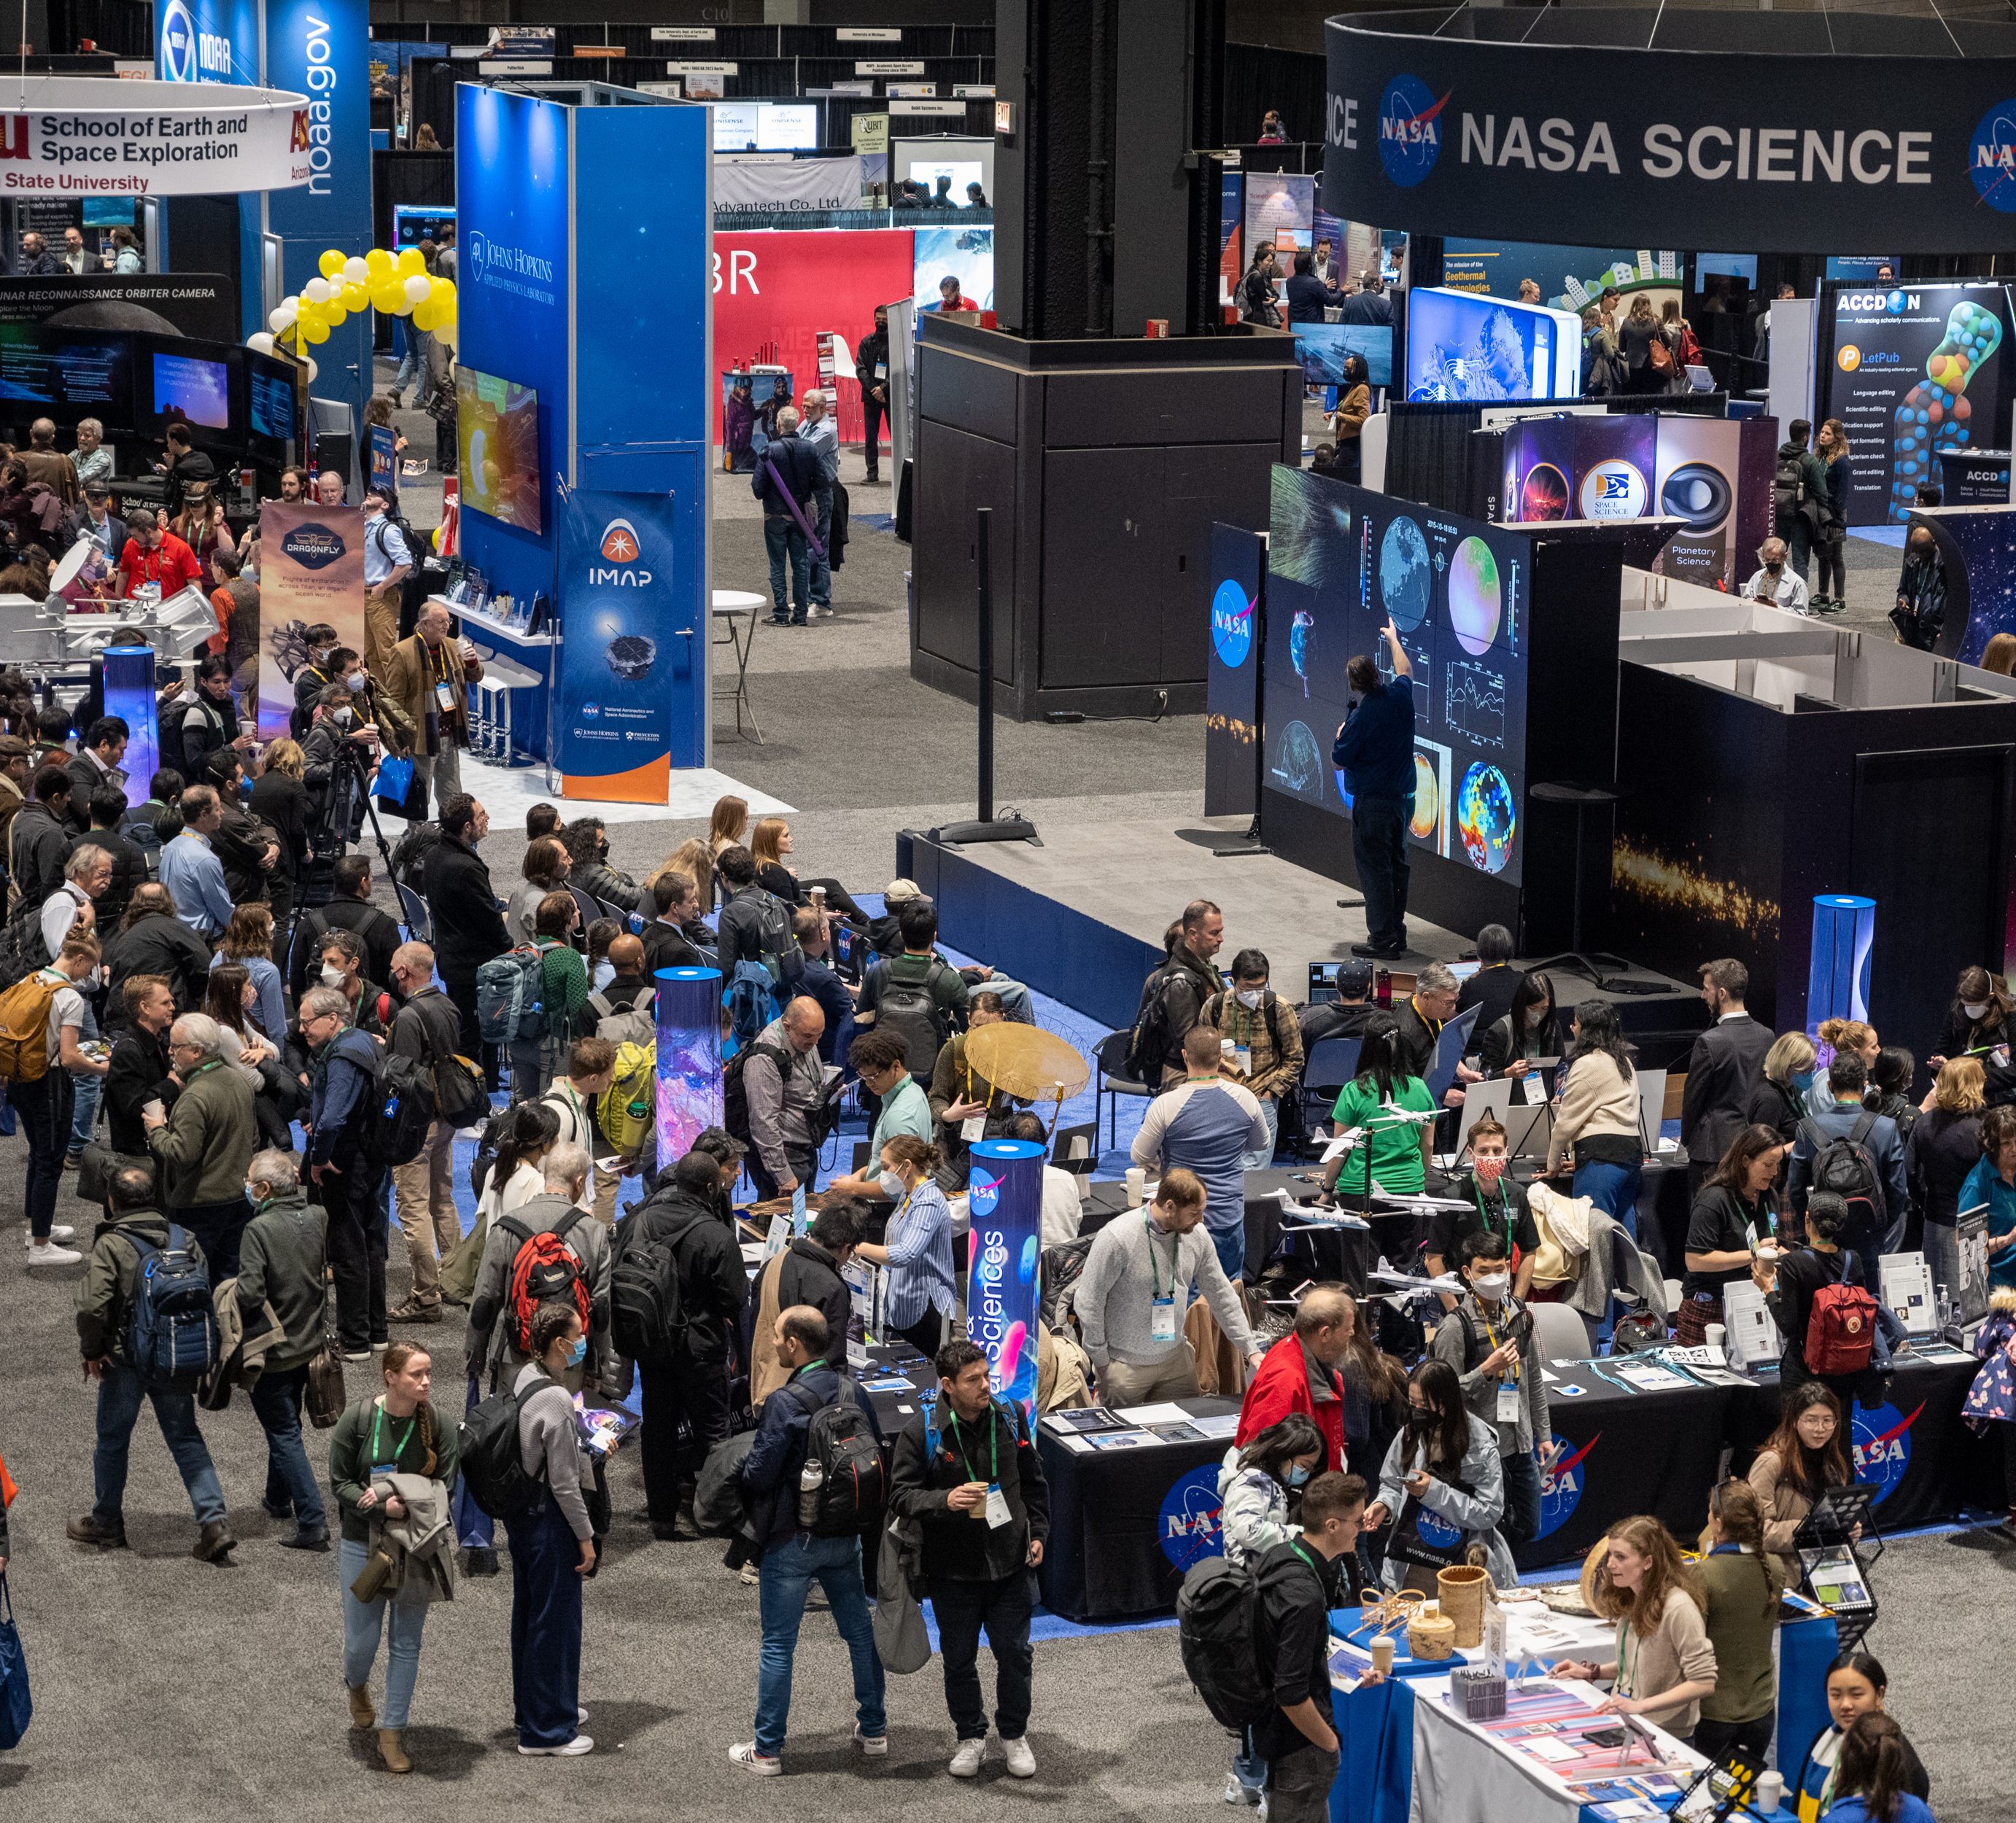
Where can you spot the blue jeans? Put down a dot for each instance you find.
(120, 1394)
(1005, 1608)
(545, 1625)
(290, 1482)
(782, 537)
(789, 1568)
(1379, 846)
(1613, 1189)
(1520, 1524)
(362, 1623)
(822, 569)
(1260, 1160)
(414, 366)
(1249, 1764)
(85, 1089)
(1231, 1245)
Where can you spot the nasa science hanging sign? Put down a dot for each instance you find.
(1451, 135)
(80, 136)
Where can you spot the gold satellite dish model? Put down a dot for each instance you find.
(1026, 1062)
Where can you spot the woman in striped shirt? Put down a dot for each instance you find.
(916, 1248)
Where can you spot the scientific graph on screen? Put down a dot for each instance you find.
(1474, 704)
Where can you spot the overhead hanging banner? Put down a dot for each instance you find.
(790, 187)
(1451, 134)
(207, 41)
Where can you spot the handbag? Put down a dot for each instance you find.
(16, 1706)
(395, 783)
(1660, 358)
(96, 1164)
(326, 1399)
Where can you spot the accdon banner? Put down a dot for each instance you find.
(110, 138)
(1450, 135)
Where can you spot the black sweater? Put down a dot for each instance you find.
(961, 1547)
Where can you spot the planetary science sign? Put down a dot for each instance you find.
(1719, 141)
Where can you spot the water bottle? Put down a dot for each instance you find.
(1943, 1305)
(812, 1480)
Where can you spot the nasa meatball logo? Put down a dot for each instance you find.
(983, 1193)
(1614, 490)
(1561, 1483)
(1991, 159)
(1850, 358)
(1231, 624)
(1882, 1447)
(1189, 1526)
(1410, 134)
(591, 711)
(1435, 1531)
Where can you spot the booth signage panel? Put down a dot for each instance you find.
(311, 569)
(202, 304)
(681, 35)
(84, 136)
(207, 41)
(889, 67)
(802, 185)
(1453, 136)
(323, 50)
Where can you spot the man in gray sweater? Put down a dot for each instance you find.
(1133, 1294)
(784, 1081)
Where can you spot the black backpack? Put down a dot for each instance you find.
(911, 1011)
(406, 1112)
(823, 1119)
(1150, 1047)
(840, 1440)
(493, 1467)
(1218, 1629)
(647, 1322)
(1847, 1167)
(1788, 486)
(486, 1146)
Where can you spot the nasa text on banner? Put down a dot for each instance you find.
(625, 637)
(311, 569)
(1005, 1196)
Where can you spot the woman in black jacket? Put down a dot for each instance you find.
(1257, 295)
(1779, 1101)
(1636, 336)
(1531, 1029)
(151, 939)
(1979, 1018)
(280, 801)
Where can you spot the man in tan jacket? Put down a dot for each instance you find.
(428, 676)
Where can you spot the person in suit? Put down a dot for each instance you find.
(99, 523)
(462, 905)
(1308, 295)
(1724, 1070)
(78, 257)
(418, 669)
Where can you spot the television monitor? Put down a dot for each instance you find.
(108, 212)
(1321, 348)
(734, 125)
(269, 388)
(412, 223)
(497, 426)
(1489, 350)
(787, 126)
(189, 387)
(963, 254)
(67, 375)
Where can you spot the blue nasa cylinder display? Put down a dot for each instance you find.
(1005, 1195)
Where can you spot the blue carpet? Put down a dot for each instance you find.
(1892, 535)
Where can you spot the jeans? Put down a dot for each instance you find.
(696, 1389)
(545, 1625)
(804, 1161)
(362, 1623)
(1521, 1521)
(1249, 1764)
(1258, 1160)
(1613, 1189)
(782, 537)
(119, 1395)
(1798, 537)
(822, 569)
(1004, 1608)
(789, 1568)
(44, 1107)
(872, 412)
(290, 1481)
(1831, 547)
(414, 366)
(357, 1245)
(1298, 1785)
(83, 1091)
(1379, 846)
(1230, 1243)
(217, 1227)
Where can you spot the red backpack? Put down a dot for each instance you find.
(544, 1268)
(1841, 1329)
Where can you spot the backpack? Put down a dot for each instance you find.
(628, 1107)
(487, 1453)
(508, 996)
(840, 1439)
(822, 1119)
(1218, 1629)
(647, 1322)
(24, 1028)
(636, 1025)
(412, 852)
(1846, 1166)
(909, 1009)
(782, 957)
(488, 1144)
(751, 1005)
(22, 950)
(1149, 1046)
(1788, 485)
(462, 1096)
(1841, 1327)
(413, 586)
(171, 1336)
(544, 1268)
(406, 1110)
(1690, 348)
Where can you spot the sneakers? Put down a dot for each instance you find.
(744, 1754)
(572, 1749)
(413, 1310)
(1021, 1761)
(482, 1561)
(89, 1529)
(1244, 1795)
(965, 1762)
(58, 1231)
(874, 1747)
(357, 1354)
(48, 1253)
(751, 1579)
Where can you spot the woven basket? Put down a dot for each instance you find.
(1431, 1638)
(1462, 1587)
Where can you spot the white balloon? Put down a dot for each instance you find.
(355, 271)
(317, 291)
(417, 287)
(282, 314)
(261, 343)
(309, 362)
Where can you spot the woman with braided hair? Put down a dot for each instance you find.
(1743, 1582)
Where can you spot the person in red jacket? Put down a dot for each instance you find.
(1300, 1373)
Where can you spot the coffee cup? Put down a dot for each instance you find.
(1770, 1793)
(1382, 1655)
(1716, 1333)
(1137, 1181)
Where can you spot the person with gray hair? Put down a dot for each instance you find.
(341, 1103)
(205, 1142)
(279, 1270)
(86, 874)
(788, 481)
(1431, 1006)
(565, 1169)
(822, 433)
(190, 869)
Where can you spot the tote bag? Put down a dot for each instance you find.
(15, 1706)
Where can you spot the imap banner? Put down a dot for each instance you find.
(1005, 1198)
(624, 656)
(311, 569)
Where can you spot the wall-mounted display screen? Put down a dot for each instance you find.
(766, 126)
(1491, 349)
(963, 254)
(67, 377)
(1342, 563)
(271, 398)
(1569, 278)
(497, 425)
(412, 224)
(1321, 348)
(925, 158)
(191, 389)
(108, 211)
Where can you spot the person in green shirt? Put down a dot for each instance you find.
(881, 1060)
(1742, 1582)
(1398, 1150)
(563, 992)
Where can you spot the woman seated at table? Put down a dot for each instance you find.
(1665, 1662)
(916, 1246)
(1395, 1151)
(1443, 1487)
(1742, 1581)
(1806, 1458)
(1779, 1101)
(1856, 1686)
(1733, 1218)
(1530, 1029)
(1992, 1185)
(1596, 1121)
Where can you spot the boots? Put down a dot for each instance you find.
(214, 1543)
(391, 1753)
(363, 1717)
(87, 1529)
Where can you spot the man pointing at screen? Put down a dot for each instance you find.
(1375, 752)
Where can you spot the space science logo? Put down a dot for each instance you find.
(983, 1193)
(1232, 624)
(1991, 159)
(178, 43)
(1883, 1447)
(1410, 134)
(1561, 1483)
(620, 548)
(1189, 1526)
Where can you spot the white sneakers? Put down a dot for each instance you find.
(744, 1754)
(58, 1231)
(1242, 1795)
(965, 1762)
(1021, 1761)
(874, 1747)
(48, 1253)
(568, 1750)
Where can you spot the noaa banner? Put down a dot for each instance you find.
(207, 41)
(311, 569)
(622, 647)
(1005, 1202)
(1457, 134)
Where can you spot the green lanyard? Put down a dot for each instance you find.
(1627, 1675)
(1484, 1215)
(1154, 1265)
(399, 1446)
(993, 1438)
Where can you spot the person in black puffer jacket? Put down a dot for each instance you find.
(129, 865)
(587, 843)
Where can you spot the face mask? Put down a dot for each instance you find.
(250, 572)
(1802, 1080)
(320, 654)
(1488, 1170)
(1251, 997)
(355, 681)
(578, 1354)
(893, 1187)
(1974, 1009)
(1773, 569)
(1297, 1475)
(332, 976)
(252, 1195)
(343, 718)
(1492, 1285)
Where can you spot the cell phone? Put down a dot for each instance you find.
(1605, 1737)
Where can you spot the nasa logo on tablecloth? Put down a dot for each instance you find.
(1882, 1445)
(1189, 1528)
(1561, 1483)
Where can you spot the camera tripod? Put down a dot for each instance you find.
(330, 836)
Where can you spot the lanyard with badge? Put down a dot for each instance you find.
(974, 1126)
(997, 1514)
(1162, 1310)
(380, 1468)
(1508, 1391)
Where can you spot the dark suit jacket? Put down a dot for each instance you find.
(138, 1075)
(1723, 1070)
(129, 870)
(469, 930)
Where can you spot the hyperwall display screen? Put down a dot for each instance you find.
(271, 397)
(1342, 562)
(497, 426)
(1477, 348)
(68, 377)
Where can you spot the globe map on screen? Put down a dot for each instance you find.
(1405, 582)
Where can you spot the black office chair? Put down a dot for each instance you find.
(1332, 1064)
(1110, 1061)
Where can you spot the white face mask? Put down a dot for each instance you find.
(1251, 997)
(354, 681)
(1974, 1009)
(1493, 1285)
(343, 718)
(332, 976)
(893, 1187)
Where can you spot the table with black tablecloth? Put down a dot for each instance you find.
(1344, 1253)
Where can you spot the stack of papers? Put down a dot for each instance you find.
(1648, 1377)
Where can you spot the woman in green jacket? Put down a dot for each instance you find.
(1743, 1582)
(536, 1062)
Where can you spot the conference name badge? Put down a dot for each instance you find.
(1508, 1403)
(998, 1515)
(1162, 1321)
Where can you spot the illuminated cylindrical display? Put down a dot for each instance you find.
(129, 694)
(1838, 983)
(1005, 1198)
(688, 1070)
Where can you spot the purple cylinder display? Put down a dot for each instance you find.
(1005, 1196)
(129, 692)
(689, 1068)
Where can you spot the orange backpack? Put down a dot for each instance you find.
(24, 1027)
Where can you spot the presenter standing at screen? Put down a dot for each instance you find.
(1375, 750)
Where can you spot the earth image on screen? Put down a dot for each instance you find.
(1297, 763)
(1404, 580)
(1486, 817)
(1475, 605)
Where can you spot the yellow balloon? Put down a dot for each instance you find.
(333, 313)
(412, 261)
(331, 264)
(315, 330)
(378, 262)
(447, 332)
(386, 298)
(444, 287)
(423, 316)
(355, 296)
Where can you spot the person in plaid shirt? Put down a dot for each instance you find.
(1260, 1022)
